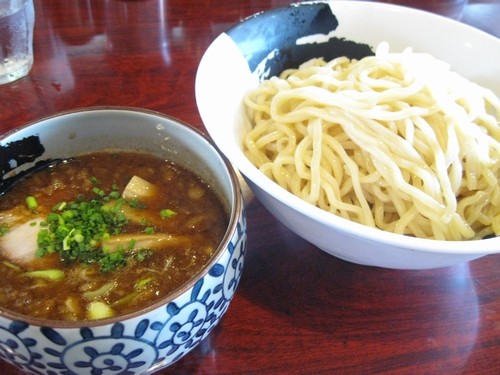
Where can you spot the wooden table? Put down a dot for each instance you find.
(297, 309)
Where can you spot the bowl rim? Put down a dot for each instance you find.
(386, 6)
(235, 154)
(234, 215)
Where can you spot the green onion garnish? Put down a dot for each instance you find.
(31, 203)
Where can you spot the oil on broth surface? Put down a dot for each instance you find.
(194, 224)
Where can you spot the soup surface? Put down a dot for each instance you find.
(104, 234)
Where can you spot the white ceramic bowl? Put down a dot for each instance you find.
(264, 44)
(157, 335)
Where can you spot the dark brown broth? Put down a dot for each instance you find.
(199, 215)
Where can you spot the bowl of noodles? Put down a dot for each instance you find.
(371, 130)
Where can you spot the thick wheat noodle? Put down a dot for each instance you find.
(396, 141)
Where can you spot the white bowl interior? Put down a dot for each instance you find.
(224, 68)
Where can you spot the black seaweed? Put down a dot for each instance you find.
(17, 153)
(279, 29)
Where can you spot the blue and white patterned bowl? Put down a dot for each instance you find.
(155, 336)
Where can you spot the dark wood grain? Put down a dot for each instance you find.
(297, 310)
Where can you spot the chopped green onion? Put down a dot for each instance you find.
(112, 260)
(78, 230)
(114, 195)
(142, 254)
(12, 266)
(31, 203)
(149, 230)
(131, 244)
(66, 240)
(93, 294)
(51, 274)
(143, 282)
(167, 213)
(60, 206)
(98, 192)
(69, 214)
(4, 229)
(78, 238)
(75, 230)
(127, 299)
(136, 203)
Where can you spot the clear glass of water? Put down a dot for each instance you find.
(17, 18)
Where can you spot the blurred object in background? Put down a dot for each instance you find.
(483, 14)
(448, 8)
(17, 18)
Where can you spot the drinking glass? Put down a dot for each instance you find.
(17, 18)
